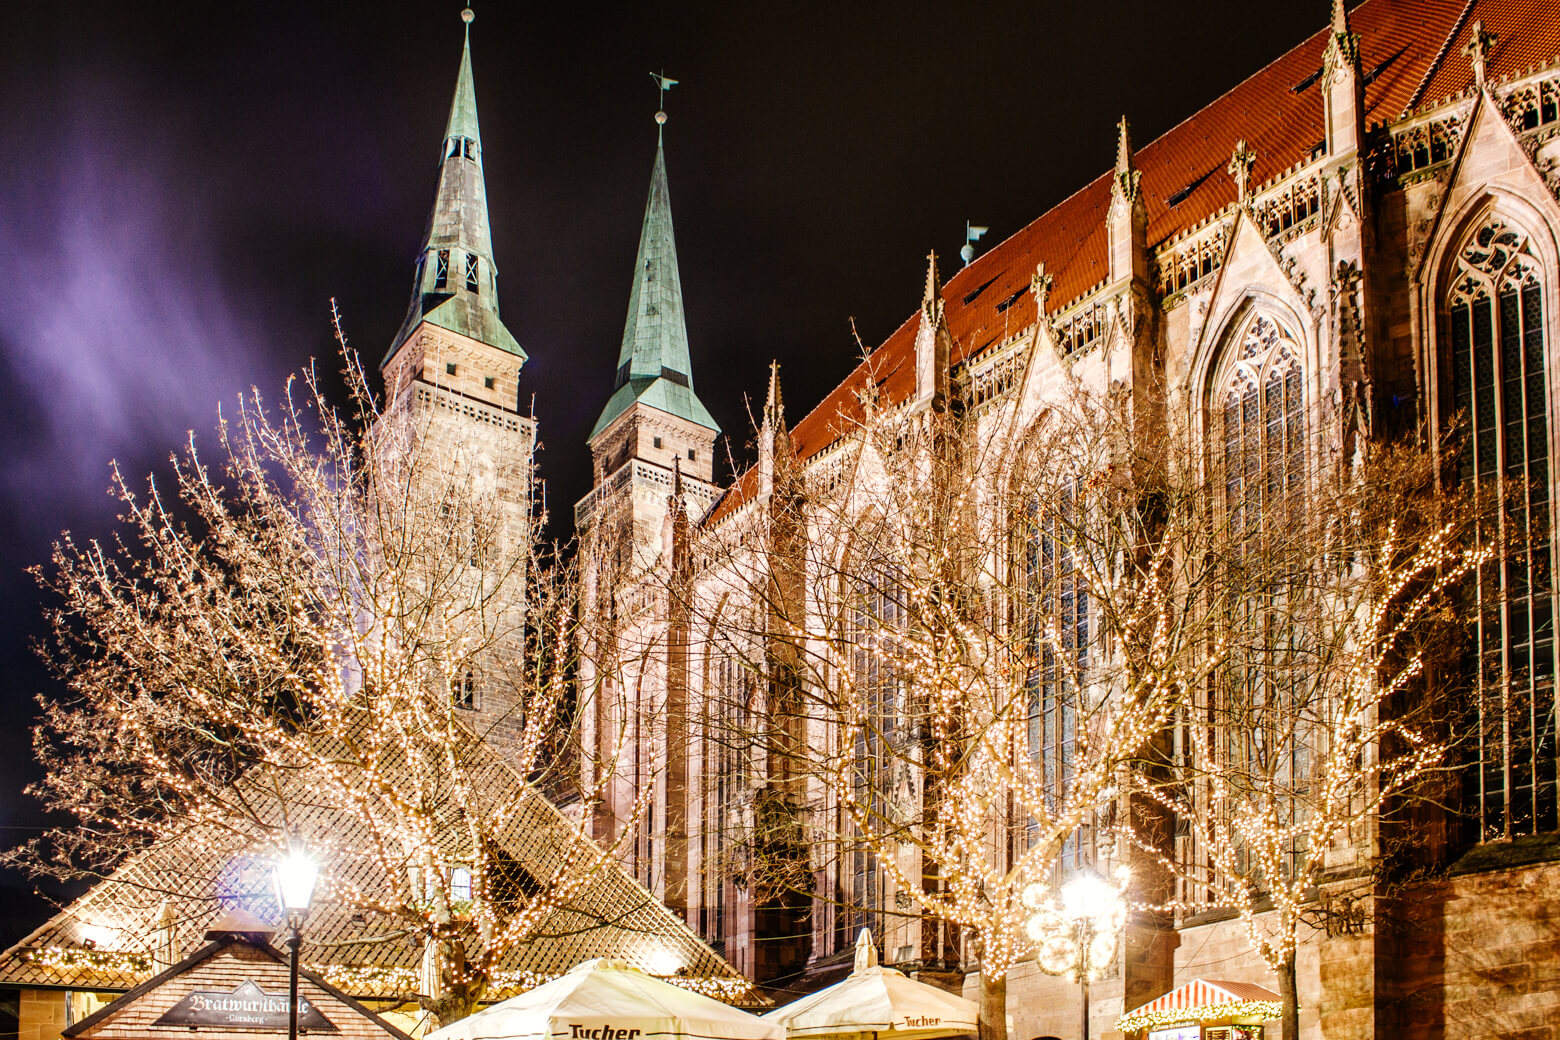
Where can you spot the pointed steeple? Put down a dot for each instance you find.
(653, 365)
(455, 286)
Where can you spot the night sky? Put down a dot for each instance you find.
(185, 186)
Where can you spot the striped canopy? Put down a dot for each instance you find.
(1201, 1000)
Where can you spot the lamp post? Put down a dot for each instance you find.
(296, 873)
(1077, 935)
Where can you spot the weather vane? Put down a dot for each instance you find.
(972, 233)
(662, 84)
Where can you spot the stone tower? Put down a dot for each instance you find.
(453, 369)
(653, 454)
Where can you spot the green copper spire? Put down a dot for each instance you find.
(653, 365)
(457, 279)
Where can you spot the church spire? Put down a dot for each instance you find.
(653, 366)
(456, 283)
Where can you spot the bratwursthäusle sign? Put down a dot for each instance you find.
(246, 1007)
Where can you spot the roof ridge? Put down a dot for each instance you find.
(1435, 63)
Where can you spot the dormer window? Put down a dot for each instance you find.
(460, 885)
(472, 262)
(441, 269)
(460, 147)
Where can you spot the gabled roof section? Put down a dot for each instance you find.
(160, 903)
(456, 284)
(204, 954)
(653, 363)
(1278, 111)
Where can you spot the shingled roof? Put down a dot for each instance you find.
(159, 904)
(1410, 55)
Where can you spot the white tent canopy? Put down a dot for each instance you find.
(875, 999)
(608, 1000)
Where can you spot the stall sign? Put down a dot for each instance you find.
(247, 1006)
(1186, 1032)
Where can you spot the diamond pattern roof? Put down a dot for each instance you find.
(158, 905)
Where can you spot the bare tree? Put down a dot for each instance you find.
(963, 627)
(342, 630)
(1336, 593)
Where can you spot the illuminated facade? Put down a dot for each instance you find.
(1361, 239)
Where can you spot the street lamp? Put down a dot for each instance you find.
(1077, 935)
(296, 873)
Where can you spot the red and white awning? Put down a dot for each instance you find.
(1201, 1000)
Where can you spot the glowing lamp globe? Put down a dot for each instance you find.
(296, 874)
(1089, 897)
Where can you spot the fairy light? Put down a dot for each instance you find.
(317, 599)
(1251, 1010)
(77, 958)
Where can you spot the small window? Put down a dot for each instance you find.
(449, 368)
(487, 382)
(692, 454)
(471, 149)
(452, 148)
(441, 269)
(658, 442)
(472, 260)
(460, 885)
(466, 691)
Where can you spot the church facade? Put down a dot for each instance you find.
(1370, 225)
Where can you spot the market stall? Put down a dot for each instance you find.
(877, 1001)
(1203, 1009)
(609, 1000)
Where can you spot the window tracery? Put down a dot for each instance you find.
(1497, 361)
(1057, 637)
(1254, 709)
(1262, 408)
(878, 612)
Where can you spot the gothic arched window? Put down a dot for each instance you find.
(1055, 613)
(1496, 362)
(1256, 704)
(1262, 407)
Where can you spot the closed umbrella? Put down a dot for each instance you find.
(875, 999)
(608, 1000)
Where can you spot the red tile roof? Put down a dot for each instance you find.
(1403, 44)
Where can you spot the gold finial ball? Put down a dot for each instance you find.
(660, 117)
(468, 16)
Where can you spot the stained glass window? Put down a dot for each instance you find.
(1496, 360)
